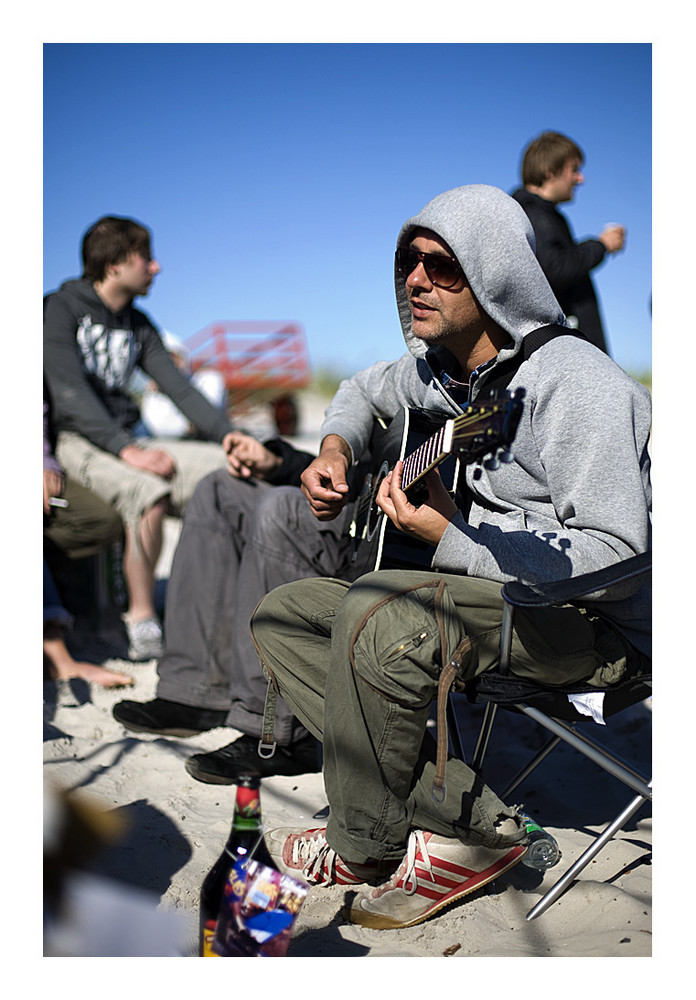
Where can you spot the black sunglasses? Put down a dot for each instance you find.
(442, 271)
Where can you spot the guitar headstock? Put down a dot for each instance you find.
(487, 427)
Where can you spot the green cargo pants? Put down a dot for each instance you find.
(359, 665)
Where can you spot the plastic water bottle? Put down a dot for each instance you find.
(543, 850)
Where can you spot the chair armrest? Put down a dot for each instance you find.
(562, 591)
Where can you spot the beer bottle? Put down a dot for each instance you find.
(244, 842)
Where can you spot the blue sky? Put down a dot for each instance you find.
(275, 177)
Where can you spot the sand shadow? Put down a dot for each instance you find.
(326, 941)
(148, 854)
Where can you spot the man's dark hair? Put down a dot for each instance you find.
(548, 154)
(109, 241)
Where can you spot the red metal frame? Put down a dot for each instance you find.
(257, 358)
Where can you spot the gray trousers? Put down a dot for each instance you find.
(239, 540)
(360, 666)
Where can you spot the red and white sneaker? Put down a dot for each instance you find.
(305, 854)
(435, 872)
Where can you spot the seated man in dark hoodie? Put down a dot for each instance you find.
(242, 536)
(94, 339)
(550, 173)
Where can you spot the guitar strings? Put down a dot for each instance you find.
(428, 450)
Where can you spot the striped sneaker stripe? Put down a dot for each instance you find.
(458, 871)
(307, 854)
(344, 876)
(420, 892)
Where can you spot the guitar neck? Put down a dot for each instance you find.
(484, 430)
(428, 456)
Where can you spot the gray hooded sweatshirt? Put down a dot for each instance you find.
(577, 496)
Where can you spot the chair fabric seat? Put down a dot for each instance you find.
(508, 690)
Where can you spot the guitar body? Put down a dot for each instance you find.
(485, 428)
(377, 543)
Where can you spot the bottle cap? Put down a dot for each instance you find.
(249, 780)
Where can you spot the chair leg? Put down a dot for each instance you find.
(484, 736)
(533, 763)
(491, 708)
(593, 751)
(583, 861)
(453, 731)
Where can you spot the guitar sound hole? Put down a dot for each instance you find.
(374, 514)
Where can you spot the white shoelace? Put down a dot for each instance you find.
(310, 852)
(416, 843)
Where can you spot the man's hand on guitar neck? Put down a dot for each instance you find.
(427, 522)
(324, 480)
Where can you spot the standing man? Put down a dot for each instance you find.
(94, 338)
(360, 665)
(550, 174)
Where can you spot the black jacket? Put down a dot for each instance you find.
(294, 463)
(566, 264)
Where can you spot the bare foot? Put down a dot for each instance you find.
(62, 666)
(96, 674)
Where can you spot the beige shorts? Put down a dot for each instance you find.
(133, 491)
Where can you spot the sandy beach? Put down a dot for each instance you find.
(174, 827)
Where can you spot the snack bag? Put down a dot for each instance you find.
(258, 911)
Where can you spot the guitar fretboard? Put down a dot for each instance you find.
(430, 454)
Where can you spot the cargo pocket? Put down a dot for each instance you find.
(397, 647)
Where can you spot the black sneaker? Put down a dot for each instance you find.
(167, 718)
(223, 767)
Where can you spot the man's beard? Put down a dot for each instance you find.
(443, 333)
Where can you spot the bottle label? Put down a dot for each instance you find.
(208, 936)
(248, 803)
(237, 880)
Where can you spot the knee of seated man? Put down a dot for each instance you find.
(394, 644)
(281, 511)
(275, 612)
(214, 493)
(206, 490)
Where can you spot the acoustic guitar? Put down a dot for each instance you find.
(483, 433)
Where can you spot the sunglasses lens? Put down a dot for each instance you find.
(441, 270)
(406, 261)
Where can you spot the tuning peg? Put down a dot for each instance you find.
(491, 464)
(506, 456)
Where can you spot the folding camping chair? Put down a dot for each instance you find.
(551, 708)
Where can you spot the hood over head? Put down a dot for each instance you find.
(493, 240)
